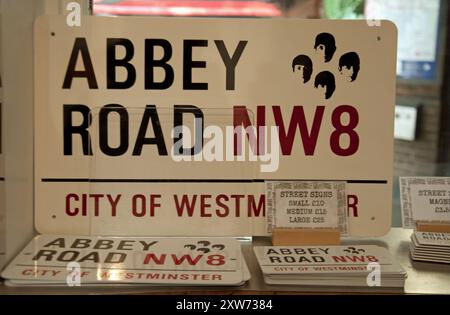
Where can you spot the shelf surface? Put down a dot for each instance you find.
(423, 278)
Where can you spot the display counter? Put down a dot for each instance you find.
(423, 278)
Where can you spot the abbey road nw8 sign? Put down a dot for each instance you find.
(171, 126)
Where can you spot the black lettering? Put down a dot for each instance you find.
(60, 242)
(188, 64)
(123, 127)
(112, 63)
(179, 110)
(151, 63)
(82, 129)
(115, 258)
(274, 259)
(80, 47)
(68, 256)
(46, 253)
(150, 113)
(81, 243)
(104, 244)
(230, 63)
(93, 257)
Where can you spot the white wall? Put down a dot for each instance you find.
(16, 35)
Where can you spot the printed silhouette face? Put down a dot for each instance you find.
(322, 89)
(302, 65)
(320, 50)
(300, 72)
(324, 82)
(325, 46)
(347, 72)
(349, 66)
(325, 79)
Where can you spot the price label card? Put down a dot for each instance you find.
(313, 204)
(425, 199)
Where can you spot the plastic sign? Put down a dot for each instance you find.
(62, 259)
(329, 266)
(169, 126)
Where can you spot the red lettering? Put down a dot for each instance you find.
(185, 204)
(226, 209)
(153, 204)
(309, 136)
(139, 205)
(356, 258)
(138, 211)
(256, 210)
(69, 211)
(309, 139)
(204, 205)
(215, 260)
(96, 198)
(352, 203)
(339, 258)
(344, 129)
(353, 258)
(188, 258)
(114, 203)
(238, 204)
(241, 118)
(152, 257)
(84, 202)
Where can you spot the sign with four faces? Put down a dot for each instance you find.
(169, 126)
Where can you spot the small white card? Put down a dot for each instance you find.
(306, 204)
(424, 199)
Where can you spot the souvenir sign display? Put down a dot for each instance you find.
(310, 205)
(358, 265)
(430, 246)
(81, 260)
(425, 199)
(169, 126)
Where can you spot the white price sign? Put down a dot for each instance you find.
(307, 205)
(425, 199)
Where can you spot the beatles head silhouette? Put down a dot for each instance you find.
(349, 65)
(303, 65)
(325, 79)
(325, 45)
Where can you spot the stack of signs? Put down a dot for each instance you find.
(430, 246)
(355, 266)
(426, 200)
(81, 260)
